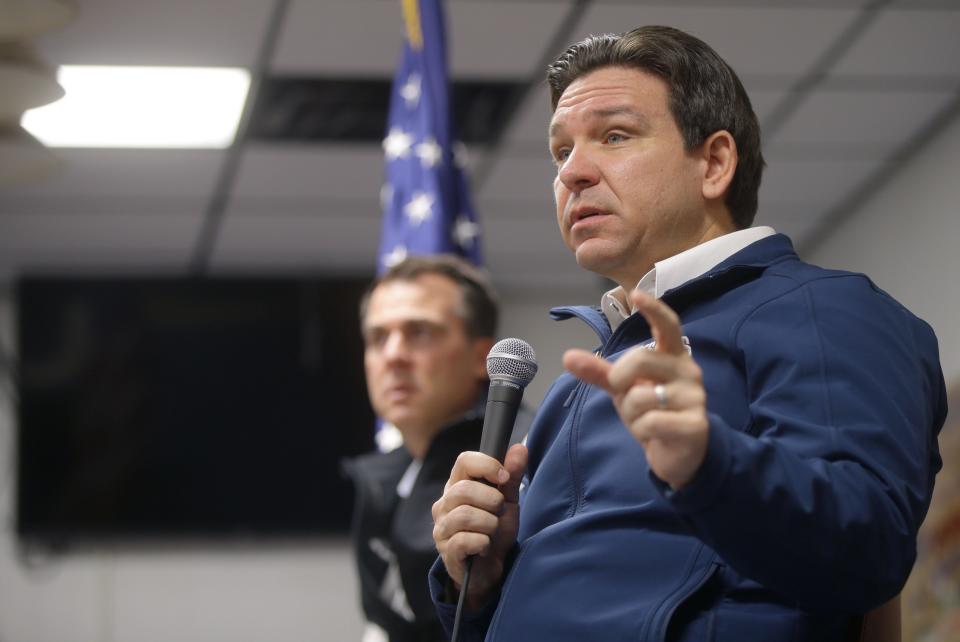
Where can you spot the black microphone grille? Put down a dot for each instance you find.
(512, 359)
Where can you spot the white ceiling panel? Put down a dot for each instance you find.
(366, 208)
(340, 38)
(328, 240)
(520, 177)
(303, 171)
(911, 42)
(132, 206)
(171, 32)
(500, 39)
(765, 100)
(132, 173)
(789, 4)
(796, 219)
(522, 245)
(822, 182)
(840, 117)
(109, 241)
(519, 272)
(753, 40)
(494, 210)
(529, 226)
(486, 39)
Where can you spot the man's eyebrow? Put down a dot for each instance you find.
(600, 114)
(404, 323)
(621, 111)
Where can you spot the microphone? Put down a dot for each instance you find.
(511, 365)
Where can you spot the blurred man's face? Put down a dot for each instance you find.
(423, 371)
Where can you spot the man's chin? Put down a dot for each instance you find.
(399, 419)
(591, 256)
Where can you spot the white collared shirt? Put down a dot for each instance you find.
(680, 268)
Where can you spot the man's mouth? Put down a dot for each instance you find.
(399, 390)
(584, 214)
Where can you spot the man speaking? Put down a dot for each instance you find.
(749, 453)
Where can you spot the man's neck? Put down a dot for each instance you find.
(713, 229)
(417, 442)
(418, 445)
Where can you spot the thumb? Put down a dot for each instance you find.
(588, 367)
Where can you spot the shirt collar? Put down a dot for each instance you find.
(676, 270)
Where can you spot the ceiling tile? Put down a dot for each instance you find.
(911, 42)
(523, 247)
(172, 32)
(520, 177)
(753, 40)
(518, 272)
(500, 39)
(789, 4)
(856, 116)
(348, 37)
(764, 101)
(796, 219)
(365, 37)
(822, 181)
(496, 208)
(328, 240)
(109, 242)
(133, 206)
(131, 173)
(310, 171)
(923, 4)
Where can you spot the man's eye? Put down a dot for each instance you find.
(615, 138)
(375, 339)
(420, 333)
(561, 155)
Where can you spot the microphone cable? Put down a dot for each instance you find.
(460, 600)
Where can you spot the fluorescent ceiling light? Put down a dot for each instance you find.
(172, 107)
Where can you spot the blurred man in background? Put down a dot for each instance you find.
(428, 324)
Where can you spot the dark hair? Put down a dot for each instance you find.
(479, 299)
(705, 95)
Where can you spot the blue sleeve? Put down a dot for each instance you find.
(473, 624)
(821, 497)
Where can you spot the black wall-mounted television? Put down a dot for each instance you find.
(184, 408)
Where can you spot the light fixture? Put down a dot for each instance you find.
(143, 107)
(26, 80)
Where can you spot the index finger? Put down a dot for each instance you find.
(475, 465)
(664, 323)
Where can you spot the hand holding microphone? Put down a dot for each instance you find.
(477, 516)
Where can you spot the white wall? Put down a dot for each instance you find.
(907, 238)
(527, 317)
(231, 592)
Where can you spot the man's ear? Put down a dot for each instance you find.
(720, 155)
(481, 348)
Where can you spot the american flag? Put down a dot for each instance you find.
(425, 199)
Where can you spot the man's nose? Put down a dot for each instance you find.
(579, 171)
(395, 347)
